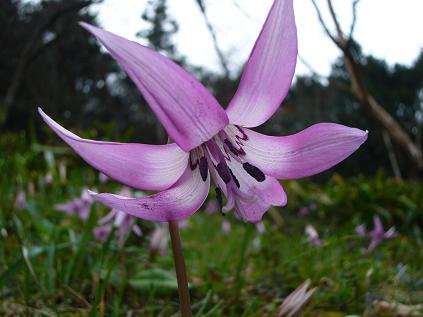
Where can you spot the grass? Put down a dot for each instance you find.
(51, 265)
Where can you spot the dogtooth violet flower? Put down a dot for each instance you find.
(294, 303)
(377, 235)
(80, 206)
(115, 218)
(312, 235)
(211, 143)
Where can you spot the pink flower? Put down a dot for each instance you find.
(159, 241)
(312, 236)
(119, 219)
(80, 206)
(212, 206)
(48, 178)
(212, 143)
(361, 230)
(20, 200)
(226, 226)
(377, 235)
(295, 303)
(261, 228)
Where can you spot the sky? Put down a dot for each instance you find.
(387, 29)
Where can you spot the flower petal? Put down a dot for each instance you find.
(306, 153)
(268, 73)
(176, 203)
(143, 166)
(263, 194)
(378, 226)
(189, 113)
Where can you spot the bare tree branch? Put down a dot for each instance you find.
(323, 23)
(354, 19)
(392, 156)
(332, 81)
(360, 92)
(338, 28)
(28, 55)
(313, 72)
(245, 13)
(219, 52)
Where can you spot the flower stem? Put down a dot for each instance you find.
(241, 262)
(181, 274)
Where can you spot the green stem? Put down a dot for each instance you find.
(181, 274)
(238, 276)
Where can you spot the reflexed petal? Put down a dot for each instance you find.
(109, 217)
(373, 244)
(252, 211)
(268, 73)
(306, 153)
(176, 203)
(378, 226)
(101, 233)
(390, 234)
(137, 230)
(189, 113)
(143, 166)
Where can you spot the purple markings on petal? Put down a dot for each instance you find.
(176, 203)
(142, 166)
(306, 153)
(268, 73)
(189, 113)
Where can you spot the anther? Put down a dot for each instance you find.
(231, 147)
(254, 172)
(223, 172)
(219, 197)
(203, 168)
(234, 178)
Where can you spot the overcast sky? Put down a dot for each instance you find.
(388, 29)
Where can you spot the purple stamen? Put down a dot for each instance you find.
(254, 172)
(223, 172)
(219, 197)
(231, 147)
(234, 179)
(203, 168)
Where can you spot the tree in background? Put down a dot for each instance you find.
(36, 41)
(161, 28)
(361, 91)
(66, 73)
